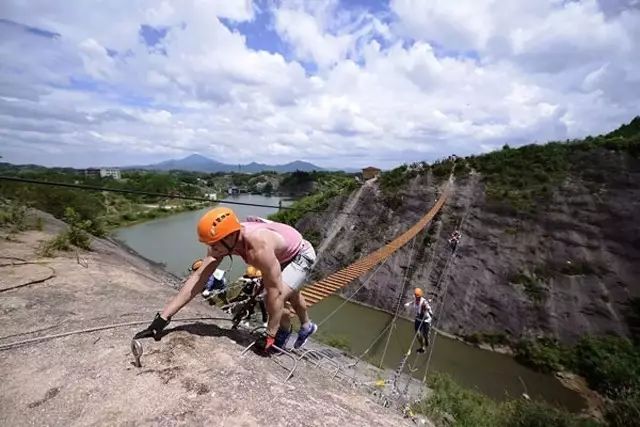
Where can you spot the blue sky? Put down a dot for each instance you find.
(340, 84)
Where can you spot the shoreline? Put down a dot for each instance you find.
(569, 380)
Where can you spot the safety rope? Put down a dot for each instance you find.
(444, 295)
(366, 351)
(399, 303)
(96, 329)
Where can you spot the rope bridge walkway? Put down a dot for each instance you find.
(329, 285)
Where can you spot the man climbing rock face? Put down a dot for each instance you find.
(278, 250)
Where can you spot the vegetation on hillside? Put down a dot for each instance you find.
(327, 186)
(611, 366)
(451, 404)
(108, 210)
(526, 176)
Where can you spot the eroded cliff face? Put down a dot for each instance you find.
(567, 270)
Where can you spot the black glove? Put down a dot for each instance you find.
(154, 329)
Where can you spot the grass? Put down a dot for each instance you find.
(48, 248)
(77, 234)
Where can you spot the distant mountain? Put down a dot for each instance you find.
(194, 163)
(198, 163)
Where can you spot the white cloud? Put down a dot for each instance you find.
(351, 87)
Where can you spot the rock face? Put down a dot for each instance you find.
(568, 270)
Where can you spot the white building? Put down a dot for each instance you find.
(110, 172)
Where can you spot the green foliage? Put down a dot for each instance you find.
(77, 235)
(523, 178)
(533, 285)
(628, 130)
(543, 354)
(624, 412)
(610, 364)
(462, 169)
(79, 229)
(335, 185)
(13, 216)
(522, 413)
(58, 243)
(442, 169)
(467, 407)
(452, 404)
(393, 180)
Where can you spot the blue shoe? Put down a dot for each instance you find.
(282, 336)
(304, 334)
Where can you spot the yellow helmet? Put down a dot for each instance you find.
(253, 272)
(196, 265)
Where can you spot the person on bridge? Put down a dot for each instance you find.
(278, 250)
(423, 317)
(454, 239)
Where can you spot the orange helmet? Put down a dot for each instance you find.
(217, 224)
(196, 264)
(418, 292)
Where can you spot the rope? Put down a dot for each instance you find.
(151, 194)
(444, 296)
(395, 316)
(96, 329)
(352, 295)
(380, 335)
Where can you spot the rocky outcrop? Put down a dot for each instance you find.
(567, 270)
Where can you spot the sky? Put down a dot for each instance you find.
(338, 83)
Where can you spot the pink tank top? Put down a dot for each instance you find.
(291, 236)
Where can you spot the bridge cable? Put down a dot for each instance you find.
(444, 295)
(153, 194)
(399, 303)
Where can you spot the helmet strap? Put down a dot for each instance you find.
(230, 247)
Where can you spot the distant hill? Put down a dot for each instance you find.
(198, 163)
